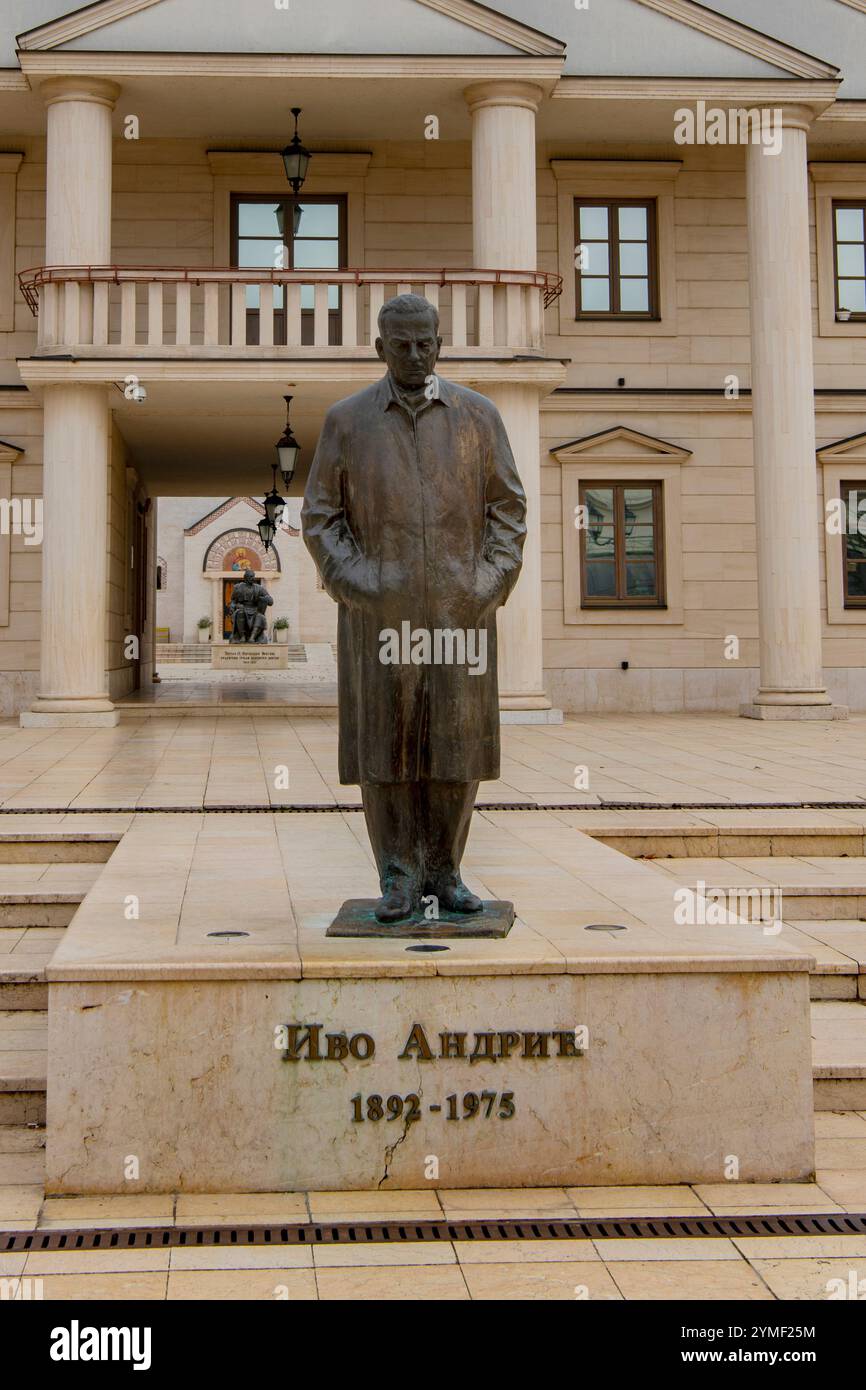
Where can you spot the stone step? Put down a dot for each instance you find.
(24, 954)
(820, 902)
(22, 1155)
(839, 1054)
(38, 899)
(810, 887)
(42, 893)
(787, 834)
(23, 1066)
(57, 847)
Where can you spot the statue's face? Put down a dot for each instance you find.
(249, 576)
(410, 347)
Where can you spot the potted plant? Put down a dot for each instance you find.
(204, 627)
(281, 630)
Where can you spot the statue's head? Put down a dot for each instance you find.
(409, 339)
(249, 576)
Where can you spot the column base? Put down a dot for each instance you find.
(530, 716)
(532, 707)
(779, 712)
(94, 712)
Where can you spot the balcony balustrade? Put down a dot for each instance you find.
(128, 311)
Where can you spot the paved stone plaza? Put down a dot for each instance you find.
(71, 841)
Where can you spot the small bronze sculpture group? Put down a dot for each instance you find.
(248, 610)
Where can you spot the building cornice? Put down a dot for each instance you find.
(747, 40)
(604, 169)
(335, 164)
(845, 111)
(80, 22)
(412, 67)
(843, 172)
(684, 401)
(544, 373)
(720, 91)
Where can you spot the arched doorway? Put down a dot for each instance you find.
(226, 559)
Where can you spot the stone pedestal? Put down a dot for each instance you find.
(678, 1071)
(230, 1045)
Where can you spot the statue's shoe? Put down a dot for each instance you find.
(456, 897)
(394, 905)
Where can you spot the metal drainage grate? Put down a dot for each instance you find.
(401, 1232)
(305, 809)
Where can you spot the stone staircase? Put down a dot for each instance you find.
(44, 875)
(816, 885)
(175, 653)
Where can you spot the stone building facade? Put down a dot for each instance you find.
(642, 221)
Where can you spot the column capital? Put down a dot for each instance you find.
(503, 93)
(793, 115)
(98, 90)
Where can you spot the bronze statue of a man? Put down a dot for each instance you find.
(249, 601)
(414, 514)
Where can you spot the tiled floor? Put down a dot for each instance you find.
(245, 758)
(755, 1268)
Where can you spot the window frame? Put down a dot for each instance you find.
(856, 315)
(613, 204)
(289, 200)
(853, 603)
(622, 601)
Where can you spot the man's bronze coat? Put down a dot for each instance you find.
(420, 522)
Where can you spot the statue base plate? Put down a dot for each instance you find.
(357, 917)
(249, 656)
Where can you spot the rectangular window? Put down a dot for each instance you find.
(849, 259)
(854, 544)
(290, 233)
(615, 258)
(621, 545)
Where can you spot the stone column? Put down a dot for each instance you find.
(521, 685)
(504, 238)
(76, 423)
(783, 422)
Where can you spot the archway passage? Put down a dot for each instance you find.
(205, 545)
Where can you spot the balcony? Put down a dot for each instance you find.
(183, 313)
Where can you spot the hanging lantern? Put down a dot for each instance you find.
(296, 157)
(274, 504)
(288, 449)
(266, 532)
